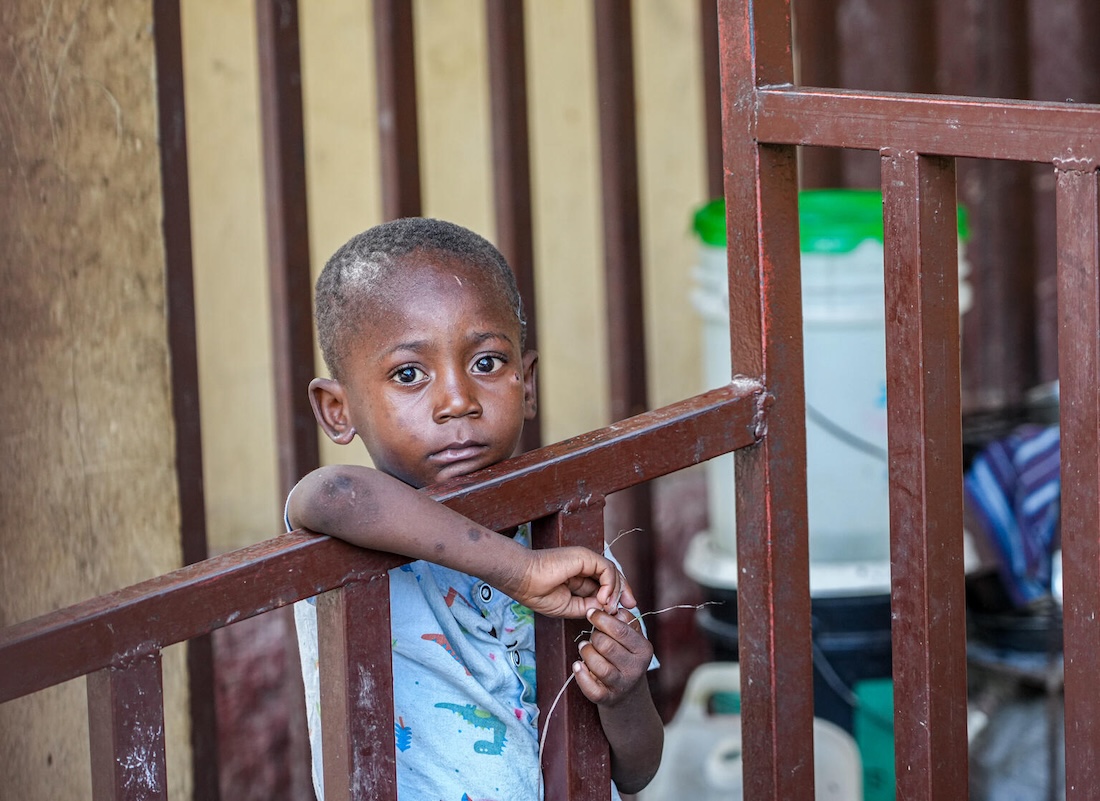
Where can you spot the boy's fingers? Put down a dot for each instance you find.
(626, 598)
(609, 665)
(583, 586)
(592, 663)
(590, 686)
(623, 628)
(618, 595)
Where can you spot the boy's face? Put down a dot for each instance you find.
(435, 384)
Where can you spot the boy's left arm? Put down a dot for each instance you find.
(612, 674)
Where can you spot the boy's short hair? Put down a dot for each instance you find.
(362, 265)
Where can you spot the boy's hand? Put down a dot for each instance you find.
(570, 582)
(611, 673)
(614, 659)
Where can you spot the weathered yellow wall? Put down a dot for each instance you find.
(231, 287)
(343, 173)
(88, 498)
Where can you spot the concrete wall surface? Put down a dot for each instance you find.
(88, 499)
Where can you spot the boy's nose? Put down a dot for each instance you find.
(456, 396)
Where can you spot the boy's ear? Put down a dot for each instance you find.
(330, 407)
(530, 384)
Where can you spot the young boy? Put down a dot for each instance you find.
(421, 327)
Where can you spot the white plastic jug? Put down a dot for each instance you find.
(702, 755)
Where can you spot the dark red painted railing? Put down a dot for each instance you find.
(917, 138)
(117, 639)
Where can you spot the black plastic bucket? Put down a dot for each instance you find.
(851, 642)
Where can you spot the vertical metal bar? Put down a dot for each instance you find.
(184, 372)
(712, 95)
(925, 441)
(201, 684)
(623, 271)
(394, 43)
(819, 56)
(1064, 64)
(766, 340)
(982, 52)
(887, 45)
(126, 731)
(353, 630)
(1078, 217)
(576, 761)
(287, 236)
(511, 161)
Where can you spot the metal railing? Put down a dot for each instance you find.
(766, 117)
(117, 639)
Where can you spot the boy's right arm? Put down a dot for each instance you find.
(372, 509)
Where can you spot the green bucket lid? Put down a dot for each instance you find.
(829, 220)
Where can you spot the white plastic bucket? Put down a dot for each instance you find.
(845, 372)
(844, 341)
(702, 752)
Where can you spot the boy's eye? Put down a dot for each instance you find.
(408, 374)
(487, 364)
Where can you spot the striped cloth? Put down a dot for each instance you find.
(1013, 490)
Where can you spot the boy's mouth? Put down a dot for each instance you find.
(457, 452)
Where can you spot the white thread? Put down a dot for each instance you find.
(680, 606)
(561, 692)
(620, 535)
(564, 687)
(658, 612)
(546, 723)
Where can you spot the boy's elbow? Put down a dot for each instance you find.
(326, 499)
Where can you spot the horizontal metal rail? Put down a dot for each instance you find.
(124, 626)
(942, 125)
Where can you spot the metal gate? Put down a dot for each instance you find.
(117, 639)
(765, 117)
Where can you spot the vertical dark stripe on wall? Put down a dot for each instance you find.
(1064, 65)
(287, 236)
(511, 161)
(890, 46)
(171, 121)
(712, 95)
(819, 56)
(394, 44)
(621, 223)
(983, 52)
(287, 223)
(623, 268)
